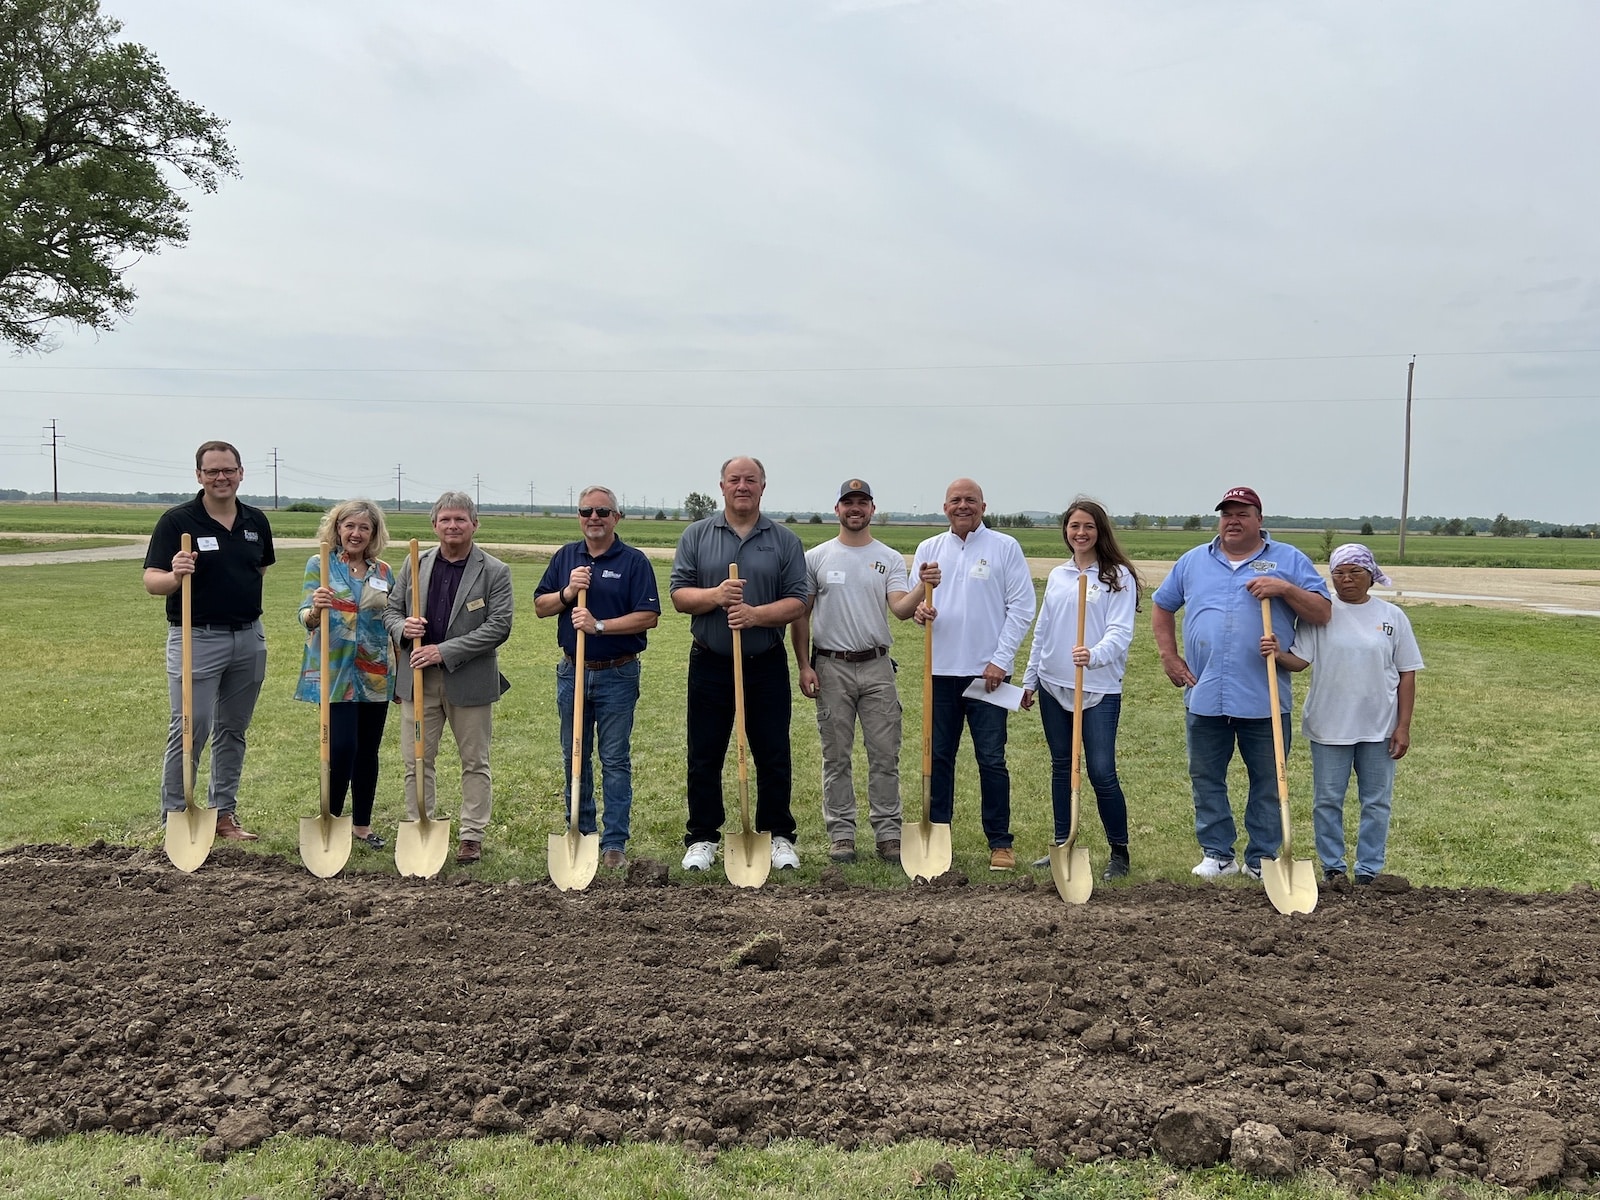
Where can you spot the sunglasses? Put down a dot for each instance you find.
(601, 512)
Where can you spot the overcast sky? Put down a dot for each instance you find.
(1144, 250)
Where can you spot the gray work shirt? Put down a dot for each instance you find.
(772, 562)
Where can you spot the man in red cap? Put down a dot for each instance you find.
(1227, 703)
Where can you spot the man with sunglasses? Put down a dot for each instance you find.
(231, 551)
(615, 616)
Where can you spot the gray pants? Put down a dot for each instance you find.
(228, 670)
(848, 691)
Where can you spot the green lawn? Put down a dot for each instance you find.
(47, 545)
(1043, 542)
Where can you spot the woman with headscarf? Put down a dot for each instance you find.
(360, 658)
(1358, 711)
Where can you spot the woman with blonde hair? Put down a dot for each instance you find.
(360, 656)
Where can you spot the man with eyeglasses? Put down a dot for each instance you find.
(231, 551)
(620, 607)
(1227, 704)
(853, 581)
(467, 605)
(769, 594)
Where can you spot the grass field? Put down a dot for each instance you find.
(1497, 792)
(1040, 542)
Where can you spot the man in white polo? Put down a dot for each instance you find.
(842, 648)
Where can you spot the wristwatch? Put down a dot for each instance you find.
(599, 626)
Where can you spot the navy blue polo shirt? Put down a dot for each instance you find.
(226, 587)
(622, 581)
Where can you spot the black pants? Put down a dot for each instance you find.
(766, 724)
(355, 731)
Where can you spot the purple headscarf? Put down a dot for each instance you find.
(1355, 554)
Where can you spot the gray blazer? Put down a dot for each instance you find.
(479, 623)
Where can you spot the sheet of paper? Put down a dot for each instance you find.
(1007, 695)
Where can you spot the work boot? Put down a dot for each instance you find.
(228, 827)
(469, 852)
(1002, 858)
(889, 850)
(612, 861)
(843, 851)
(1117, 868)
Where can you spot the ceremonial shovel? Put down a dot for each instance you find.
(1291, 883)
(191, 831)
(1069, 862)
(747, 858)
(572, 858)
(924, 846)
(420, 846)
(325, 839)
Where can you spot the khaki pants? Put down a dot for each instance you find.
(848, 692)
(471, 726)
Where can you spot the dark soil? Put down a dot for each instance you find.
(1449, 1034)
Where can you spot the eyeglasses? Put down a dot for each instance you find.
(601, 512)
(219, 472)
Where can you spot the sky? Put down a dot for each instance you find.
(1144, 251)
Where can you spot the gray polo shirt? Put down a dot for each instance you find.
(772, 562)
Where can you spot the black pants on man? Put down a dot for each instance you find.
(766, 725)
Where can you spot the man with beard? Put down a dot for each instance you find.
(842, 649)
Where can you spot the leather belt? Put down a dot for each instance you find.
(854, 656)
(219, 626)
(603, 664)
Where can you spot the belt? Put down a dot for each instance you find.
(705, 649)
(603, 664)
(219, 626)
(854, 656)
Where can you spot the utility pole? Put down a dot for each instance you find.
(477, 481)
(569, 495)
(55, 479)
(274, 478)
(1405, 486)
(398, 507)
(530, 498)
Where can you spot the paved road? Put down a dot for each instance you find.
(1543, 590)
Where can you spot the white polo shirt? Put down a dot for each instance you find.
(985, 600)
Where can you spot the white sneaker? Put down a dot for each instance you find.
(700, 856)
(1215, 868)
(783, 856)
(1250, 872)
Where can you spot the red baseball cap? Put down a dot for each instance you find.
(1241, 495)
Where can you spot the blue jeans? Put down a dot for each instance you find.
(1211, 743)
(609, 698)
(988, 724)
(1099, 763)
(1330, 779)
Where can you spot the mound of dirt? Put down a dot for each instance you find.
(1447, 1034)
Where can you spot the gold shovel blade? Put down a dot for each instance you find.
(325, 844)
(190, 832)
(1291, 884)
(572, 859)
(420, 847)
(747, 859)
(925, 850)
(1071, 869)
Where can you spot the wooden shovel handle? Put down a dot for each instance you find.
(1277, 725)
(577, 714)
(927, 694)
(1077, 693)
(738, 698)
(324, 712)
(186, 670)
(416, 672)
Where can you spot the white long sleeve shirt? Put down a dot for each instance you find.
(985, 600)
(1107, 631)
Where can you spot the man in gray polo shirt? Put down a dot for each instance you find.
(848, 672)
(769, 594)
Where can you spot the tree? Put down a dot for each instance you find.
(1192, 521)
(699, 506)
(1366, 529)
(94, 147)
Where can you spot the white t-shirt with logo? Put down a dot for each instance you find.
(1356, 660)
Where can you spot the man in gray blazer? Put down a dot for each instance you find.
(466, 614)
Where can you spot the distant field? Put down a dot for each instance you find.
(1421, 549)
(45, 545)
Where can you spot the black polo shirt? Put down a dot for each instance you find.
(227, 575)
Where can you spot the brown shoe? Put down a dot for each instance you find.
(469, 852)
(1002, 859)
(613, 860)
(889, 850)
(228, 827)
(843, 851)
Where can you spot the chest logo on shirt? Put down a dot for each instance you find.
(981, 570)
(1264, 565)
(1388, 629)
(607, 573)
(881, 568)
(250, 535)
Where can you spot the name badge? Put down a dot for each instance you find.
(835, 576)
(475, 605)
(981, 571)
(205, 543)
(378, 585)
